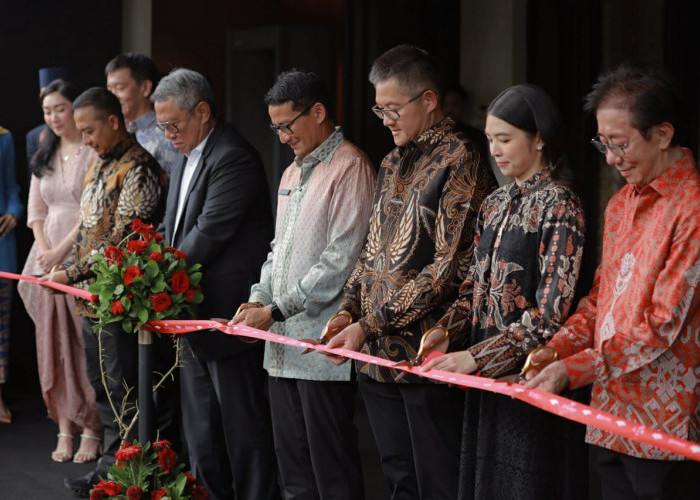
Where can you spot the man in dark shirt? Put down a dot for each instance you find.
(416, 255)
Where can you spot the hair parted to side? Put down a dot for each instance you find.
(301, 88)
(104, 103)
(530, 109)
(413, 68)
(40, 163)
(141, 67)
(187, 88)
(649, 94)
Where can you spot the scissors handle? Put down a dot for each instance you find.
(431, 339)
(530, 362)
(248, 305)
(331, 329)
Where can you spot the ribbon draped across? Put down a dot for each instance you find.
(552, 403)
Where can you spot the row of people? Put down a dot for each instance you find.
(436, 222)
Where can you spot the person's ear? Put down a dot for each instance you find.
(113, 122)
(664, 133)
(430, 100)
(319, 112)
(539, 142)
(146, 88)
(203, 110)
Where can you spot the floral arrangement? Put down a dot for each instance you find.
(148, 472)
(143, 280)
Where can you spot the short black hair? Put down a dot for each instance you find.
(141, 66)
(302, 88)
(102, 100)
(414, 69)
(649, 94)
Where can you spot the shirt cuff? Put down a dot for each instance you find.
(580, 368)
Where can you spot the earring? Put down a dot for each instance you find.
(539, 147)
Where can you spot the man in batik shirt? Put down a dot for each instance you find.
(635, 336)
(416, 255)
(125, 183)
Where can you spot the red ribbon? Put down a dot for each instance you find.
(552, 403)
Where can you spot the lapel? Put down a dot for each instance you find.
(173, 194)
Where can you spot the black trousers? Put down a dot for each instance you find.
(418, 431)
(226, 420)
(623, 477)
(120, 363)
(316, 439)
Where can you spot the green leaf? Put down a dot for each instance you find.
(119, 289)
(127, 326)
(143, 315)
(195, 279)
(152, 269)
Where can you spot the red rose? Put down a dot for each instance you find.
(166, 459)
(200, 493)
(161, 301)
(128, 452)
(180, 281)
(190, 480)
(156, 256)
(137, 246)
(180, 255)
(114, 255)
(134, 493)
(131, 273)
(189, 295)
(169, 249)
(109, 487)
(98, 494)
(117, 307)
(159, 237)
(163, 443)
(94, 298)
(155, 495)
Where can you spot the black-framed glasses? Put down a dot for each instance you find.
(286, 128)
(169, 127)
(393, 113)
(603, 147)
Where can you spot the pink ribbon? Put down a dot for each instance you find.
(552, 403)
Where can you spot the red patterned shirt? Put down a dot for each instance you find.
(636, 336)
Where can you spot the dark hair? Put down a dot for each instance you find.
(649, 94)
(303, 89)
(40, 164)
(530, 109)
(414, 69)
(187, 88)
(103, 102)
(141, 67)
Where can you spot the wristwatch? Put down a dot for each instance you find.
(276, 313)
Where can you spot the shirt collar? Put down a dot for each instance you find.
(533, 182)
(430, 138)
(324, 152)
(667, 183)
(199, 149)
(144, 122)
(119, 149)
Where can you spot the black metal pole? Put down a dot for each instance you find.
(146, 410)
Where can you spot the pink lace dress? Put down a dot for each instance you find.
(55, 199)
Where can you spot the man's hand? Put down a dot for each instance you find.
(552, 378)
(255, 317)
(7, 224)
(458, 362)
(352, 337)
(57, 277)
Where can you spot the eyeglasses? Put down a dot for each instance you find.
(169, 127)
(286, 128)
(603, 147)
(393, 113)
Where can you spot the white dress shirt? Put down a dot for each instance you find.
(187, 174)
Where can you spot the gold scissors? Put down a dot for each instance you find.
(333, 327)
(530, 363)
(250, 305)
(429, 341)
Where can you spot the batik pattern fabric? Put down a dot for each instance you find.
(636, 335)
(527, 255)
(519, 290)
(419, 244)
(125, 184)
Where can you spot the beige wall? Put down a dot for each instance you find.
(137, 26)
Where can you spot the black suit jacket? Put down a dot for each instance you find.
(226, 225)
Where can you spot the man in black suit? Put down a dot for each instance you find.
(218, 213)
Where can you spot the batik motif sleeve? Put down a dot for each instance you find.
(559, 260)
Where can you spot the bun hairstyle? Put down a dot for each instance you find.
(530, 109)
(40, 164)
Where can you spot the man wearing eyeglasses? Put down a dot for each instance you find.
(635, 336)
(218, 214)
(324, 202)
(416, 255)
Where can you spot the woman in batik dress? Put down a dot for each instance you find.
(527, 253)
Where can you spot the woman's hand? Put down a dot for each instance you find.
(7, 224)
(458, 362)
(50, 258)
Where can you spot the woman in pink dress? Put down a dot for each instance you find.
(58, 169)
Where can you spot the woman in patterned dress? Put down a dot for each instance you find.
(58, 169)
(527, 253)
